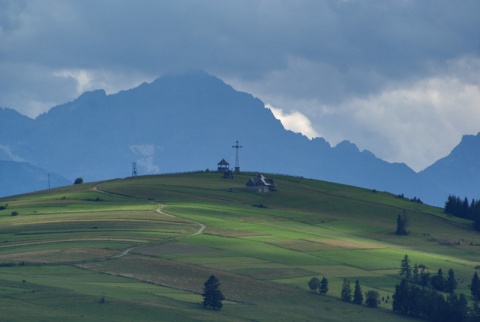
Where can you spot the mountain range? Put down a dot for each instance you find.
(190, 122)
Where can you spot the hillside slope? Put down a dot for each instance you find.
(143, 247)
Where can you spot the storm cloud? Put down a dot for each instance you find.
(397, 77)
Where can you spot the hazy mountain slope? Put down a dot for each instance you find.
(190, 122)
(22, 177)
(458, 173)
(14, 131)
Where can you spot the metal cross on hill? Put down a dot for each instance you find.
(237, 158)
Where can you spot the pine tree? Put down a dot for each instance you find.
(416, 274)
(475, 311)
(346, 294)
(324, 286)
(357, 293)
(451, 283)
(405, 268)
(212, 295)
(475, 287)
(402, 224)
(462, 307)
(438, 281)
(457, 308)
(424, 275)
(400, 298)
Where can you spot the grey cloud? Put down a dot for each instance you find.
(285, 52)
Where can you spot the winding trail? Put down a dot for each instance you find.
(202, 226)
(160, 211)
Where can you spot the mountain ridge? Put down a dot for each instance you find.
(188, 122)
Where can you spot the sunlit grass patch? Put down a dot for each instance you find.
(242, 246)
(365, 259)
(352, 243)
(299, 244)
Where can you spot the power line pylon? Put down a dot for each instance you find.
(134, 169)
(237, 158)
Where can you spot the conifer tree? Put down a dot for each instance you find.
(346, 294)
(402, 224)
(451, 283)
(424, 275)
(357, 293)
(457, 308)
(400, 298)
(475, 287)
(438, 281)
(212, 295)
(416, 274)
(324, 286)
(405, 268)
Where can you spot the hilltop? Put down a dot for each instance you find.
(143, 246)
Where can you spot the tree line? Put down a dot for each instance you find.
(418, 295)
(321, 286)
(463, 208)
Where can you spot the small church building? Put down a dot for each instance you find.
(261, 184)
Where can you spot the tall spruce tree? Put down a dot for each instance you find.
(416, 274)
(451, 283)
(424, 275)
(405, 268)
(324, 286)
(457, 308)
(475, 287)
(212, 295)
(438, 281)
(402, 224)
(357, 293)
(346, 294)
(400, 298)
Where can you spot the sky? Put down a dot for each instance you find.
(400, 78)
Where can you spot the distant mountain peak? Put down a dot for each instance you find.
(346, 146)
(92, 95)
(188, 121)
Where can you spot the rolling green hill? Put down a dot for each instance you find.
(141, 249)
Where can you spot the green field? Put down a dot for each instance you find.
(140, 249)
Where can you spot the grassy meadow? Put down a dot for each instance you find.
(141, 249)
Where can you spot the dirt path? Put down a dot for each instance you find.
(202, 226)
(159, 210)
